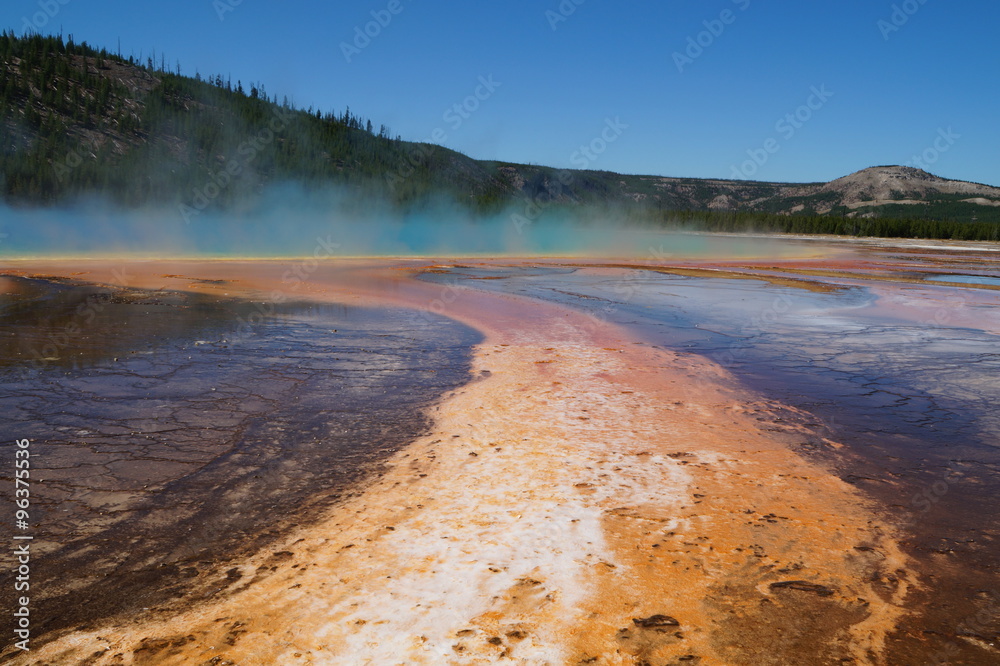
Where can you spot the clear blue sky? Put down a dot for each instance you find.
(893, 90)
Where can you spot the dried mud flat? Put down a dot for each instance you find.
(584, 499)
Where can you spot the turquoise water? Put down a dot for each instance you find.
(318, 232)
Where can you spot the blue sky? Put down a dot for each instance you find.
(922, 83)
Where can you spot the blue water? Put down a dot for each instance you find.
(914, 402)
(965, 279)
(171, 430)
(811, 349)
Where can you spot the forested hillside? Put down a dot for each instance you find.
(80, 123)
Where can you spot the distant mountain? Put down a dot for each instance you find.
(871, 192)
(82, 122)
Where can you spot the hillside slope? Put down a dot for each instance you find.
(80, 122)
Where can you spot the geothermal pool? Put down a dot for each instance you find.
(910, 398)
(171, 430)
(715, 460)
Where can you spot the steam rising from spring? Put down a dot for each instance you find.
(289, 221)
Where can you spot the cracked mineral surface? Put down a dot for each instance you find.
(517, 461)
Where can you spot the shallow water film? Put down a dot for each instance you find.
(172, 432)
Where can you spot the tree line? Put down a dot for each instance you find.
(80, 121)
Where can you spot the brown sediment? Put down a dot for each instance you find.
(782, 274)
(780, 281)
(882, 276)
(587, 499)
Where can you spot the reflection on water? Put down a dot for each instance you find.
(172, 431)
(69, 325)
(965, 279)
(930, 381)
(915, 403)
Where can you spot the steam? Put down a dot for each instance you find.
(287, 221)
